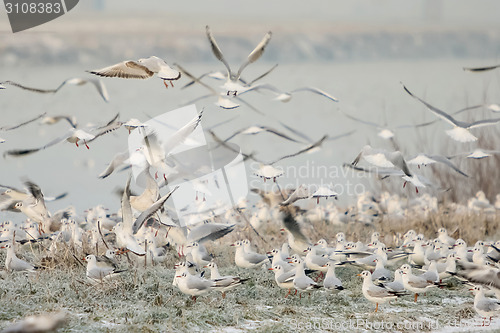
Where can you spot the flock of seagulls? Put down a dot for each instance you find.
(145, 228)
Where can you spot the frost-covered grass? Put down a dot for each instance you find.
(144, 300)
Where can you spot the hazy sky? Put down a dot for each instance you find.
(455, 11)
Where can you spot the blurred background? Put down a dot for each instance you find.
(359, 51)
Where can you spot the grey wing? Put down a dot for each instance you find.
(206, 232)
(181, 135)
(42, 91)
(376, 291)
(488, 304)
(216, 49)
(484, 122)
(199, 284)
(23, 123)
(286, 277)
(276, 132)
(262, 75)
(151, 211)
(441, 114)
(195, 79)
(118, 160)
(305, 150)
(127, 216)
(296, 132)
(477, 274)
(293, 226)
(255, 258)
(481, 69)
(360, 120)
(447, 162)
(336, 137)
(256, 53)
(21, 152)
(126, 69)
(398, 160)
(317, 91)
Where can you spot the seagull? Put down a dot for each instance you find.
(481, 69)
(397, 284)
(224, 283)
(73, 135)
(200, 255)
(485, 307)
(50, 120)
(284, 279)
(232, 86)
(14, 264)
(101, 88)
(267, 171)
(384, 132)
(375, 294)
(256, 129)
(415, 283)
(478, 154)
(383, 159)
(309, 149)
(324, 192)
(222, 101)
(218, 75)
(245, 259)
(296, 238)
(47, 322)
(77, 81)
(141, 69)
(302, 282)
(13, 127)
(331, 282)
(460, 131)
(100, 270)
(194, 285)
(425, 159)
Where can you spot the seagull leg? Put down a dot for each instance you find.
(86, 145)
(204, 198)
(376, 308)
(416, 189)
(223, 294)
(165, 83)
(289, 291)
(156, 175)
(416, 296)
(317, 201)
(76, 143)
(295, 292)
(404, 185)
(172, 83)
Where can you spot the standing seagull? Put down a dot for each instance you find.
(485, 307)
(460, 131)
(375, 293)
(140, 69)
(232, 86)
(14, 264)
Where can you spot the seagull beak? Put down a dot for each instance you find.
(270, 269)
(358, 274)
(233, 245)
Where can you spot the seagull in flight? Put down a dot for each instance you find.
(232, 85)
(460, 131)
(140, 69)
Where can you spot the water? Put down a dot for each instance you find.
(371, 91)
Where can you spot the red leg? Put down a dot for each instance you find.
(172, 83)
(76, 143)
(86, 145)
(404, 184)
(165, 83)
